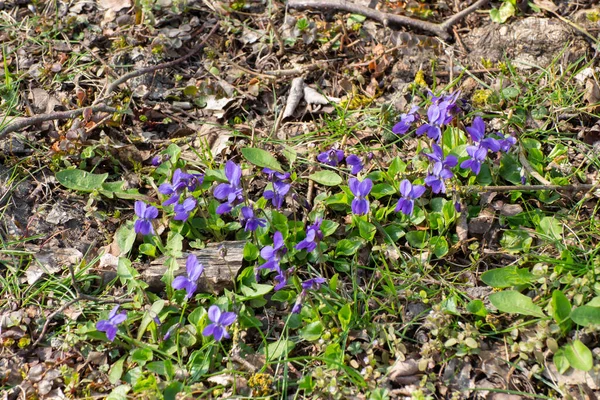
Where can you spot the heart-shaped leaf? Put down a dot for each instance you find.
(261, 158)
(513, 302)
(83, 181)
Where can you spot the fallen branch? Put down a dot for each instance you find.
(25, 122)
(111, 88)
(387, 19)
(567, 188)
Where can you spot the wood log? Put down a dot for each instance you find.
(221, 261)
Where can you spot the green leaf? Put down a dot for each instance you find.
(502, 14)
(551, 227)
(329, 227)
(278, 349)
(119, 393)
(312, 331)
(76, 179)
(579, 356)
(383, 189)
(586, 315)
(261, 158)
(560, 361)
(125, 237)
(283, 296)
(326, 178)
(561, 310)
(477, 307)
(513, 302)
(250, 251)
(125, 271)
(290, 154)
(347, 247)
(516, 241)
(141, 356)
(510, 169)
(257, 290)
(366, 229)
(439, 245)
(155, 309)
(345, 316)
(417, 239)
(116, 371)
(148, 249)
(164, 368)
(507, 277)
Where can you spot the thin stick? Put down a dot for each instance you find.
(569, 188)
(24, 122)
(164, 65)
(386, 19)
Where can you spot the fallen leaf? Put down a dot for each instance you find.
(311, 96)
(114, 5)
(296, 94)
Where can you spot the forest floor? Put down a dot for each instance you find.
(427, 228)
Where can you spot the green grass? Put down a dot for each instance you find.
(409, 291)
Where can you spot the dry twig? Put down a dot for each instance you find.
(36, 119)
(111, 88)
(386, 19)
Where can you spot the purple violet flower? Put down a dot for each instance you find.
(478, 154)
(171, 329)
(409, 193)
(109, 326)
(406, 120)
(220, 320)
(297, 306)
(435, 179)
(179, 183)
(273, 254)
(182, 211)
(280, 278)
(276, 175)
(309, 284)
(313, 283)
(331, 157)
(156, 160)
(360, 190)
(190, 283)
(355, 162)
(313, 235)
(145, 214)
(506, 142)
(277, 194)
(250, 222)
(441, 169)
(230, 192)
(436, 119)
(477, 133)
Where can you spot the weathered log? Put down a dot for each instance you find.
(221, 261)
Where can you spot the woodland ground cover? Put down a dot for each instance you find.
(386, 226)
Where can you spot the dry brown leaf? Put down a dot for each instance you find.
(296, 94)
(114, 5)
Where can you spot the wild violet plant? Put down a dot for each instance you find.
(284, 251)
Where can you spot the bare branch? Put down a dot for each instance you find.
(36, 119)
(111, 88)
(440, 30)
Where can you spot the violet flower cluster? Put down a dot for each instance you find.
(231, 192)
(280, 187)
(334, 157)
(440, 113)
